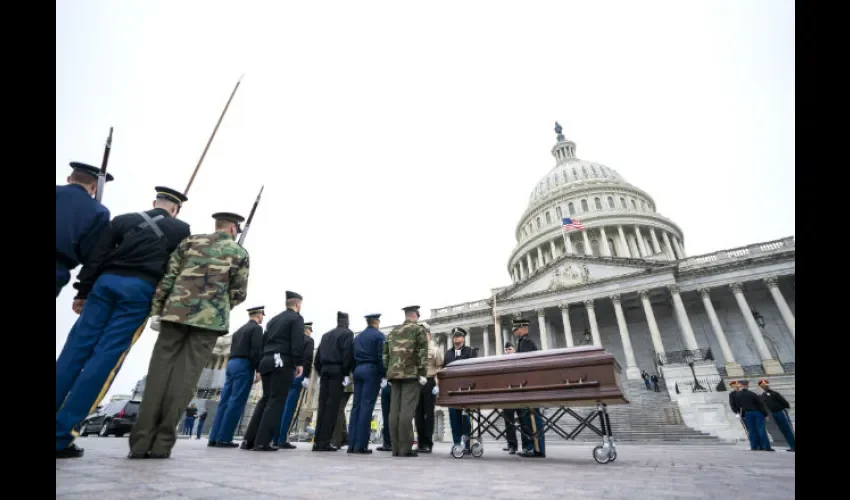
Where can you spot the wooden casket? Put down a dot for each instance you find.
(576, 376)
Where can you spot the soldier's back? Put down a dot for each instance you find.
(402, 347)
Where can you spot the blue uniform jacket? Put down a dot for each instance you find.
(79, 222)
(369, 348)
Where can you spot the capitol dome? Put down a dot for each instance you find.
(620, 220)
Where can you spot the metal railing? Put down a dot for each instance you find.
(684, 357)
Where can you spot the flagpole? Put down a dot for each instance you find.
(497, 330)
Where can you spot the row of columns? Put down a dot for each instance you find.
(771, 366)
(633, 246)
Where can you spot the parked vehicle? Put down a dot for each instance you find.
(114, 418)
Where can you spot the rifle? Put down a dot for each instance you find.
(101, 177)
(251, 216)
(201, 159)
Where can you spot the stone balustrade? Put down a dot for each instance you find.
(745, 252)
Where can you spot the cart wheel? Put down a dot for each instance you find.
(600, 456)
(613, 455)
(477, 449)
(457, 451)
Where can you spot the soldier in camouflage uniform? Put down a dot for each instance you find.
(406, 359)
(207, 276)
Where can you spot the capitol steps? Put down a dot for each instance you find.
(651, 417)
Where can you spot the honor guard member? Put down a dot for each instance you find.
(425, 408)
(368, 372)
(283, 360)
(735, 407)
(79, 220)
(386, 398)
(461, 424)
(246, 351)
(296, 391)
(339, 438)
(509, 416)
(754, 411)
(207, 277)
(334, 359)
(533, 443)
(406, 358)
(778, 407)
(116, 286)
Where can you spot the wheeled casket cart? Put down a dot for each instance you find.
(557, 378)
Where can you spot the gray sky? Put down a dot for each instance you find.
(399, 143)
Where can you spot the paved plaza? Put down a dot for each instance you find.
(653, 472)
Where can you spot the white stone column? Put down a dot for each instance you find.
(591, 318)
(587, 250)
(733, 369)
(771, 366)
(540, 261)
(654, 240)
(528, 263)
(603, 245)
(568, 245)
(668, 246)
(679, 248)
(568, 329)
(552, 250)
(624, 243)
(544, 335)
(654, 332)
(684, 323)
(497, 332)
(641, 244)
(632, 371)
(787, 316)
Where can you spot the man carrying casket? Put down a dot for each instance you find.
(529, 418)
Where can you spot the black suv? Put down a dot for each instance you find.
(116, 418)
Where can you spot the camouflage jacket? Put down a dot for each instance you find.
(206, 277)
(406, 351)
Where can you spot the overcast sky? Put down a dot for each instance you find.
(399, 142)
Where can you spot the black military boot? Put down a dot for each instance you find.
(72, 451)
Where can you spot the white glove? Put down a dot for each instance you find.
(154, 323)
(423, 380)
(305, 383)
(435, 390)
(278, 363)
(345, 381)
(383, 383)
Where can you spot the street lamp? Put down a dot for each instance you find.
(689, 358)
(759, 319)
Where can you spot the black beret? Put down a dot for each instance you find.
(341, 316)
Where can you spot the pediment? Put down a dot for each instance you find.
(572, 272)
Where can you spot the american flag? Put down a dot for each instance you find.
(569, 224)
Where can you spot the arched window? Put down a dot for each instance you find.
(571, 208)
(548, 218)
(584, 206)
(634, 205)
(579, 247)
(623, 203)
(643, 206)
(575, 174)
(613, 248)
(538, 222)
(559, 212)
(565, 176)
(610, 202)
(598, 203)
(584, 170)
(593, 169)
(594, 248)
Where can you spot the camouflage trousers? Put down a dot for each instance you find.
(403, 401)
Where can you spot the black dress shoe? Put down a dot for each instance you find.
(134, 455)
(265, 448)
(167, 454)
(384, 447)
(325, 448)
(410, 454)
(228, 444)
(364, 451)
(212, 444)
(425, 450)
(246, 446)
(286, 446)
(72, 451)
(532, 454)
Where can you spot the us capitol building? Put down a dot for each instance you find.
(625, 283)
